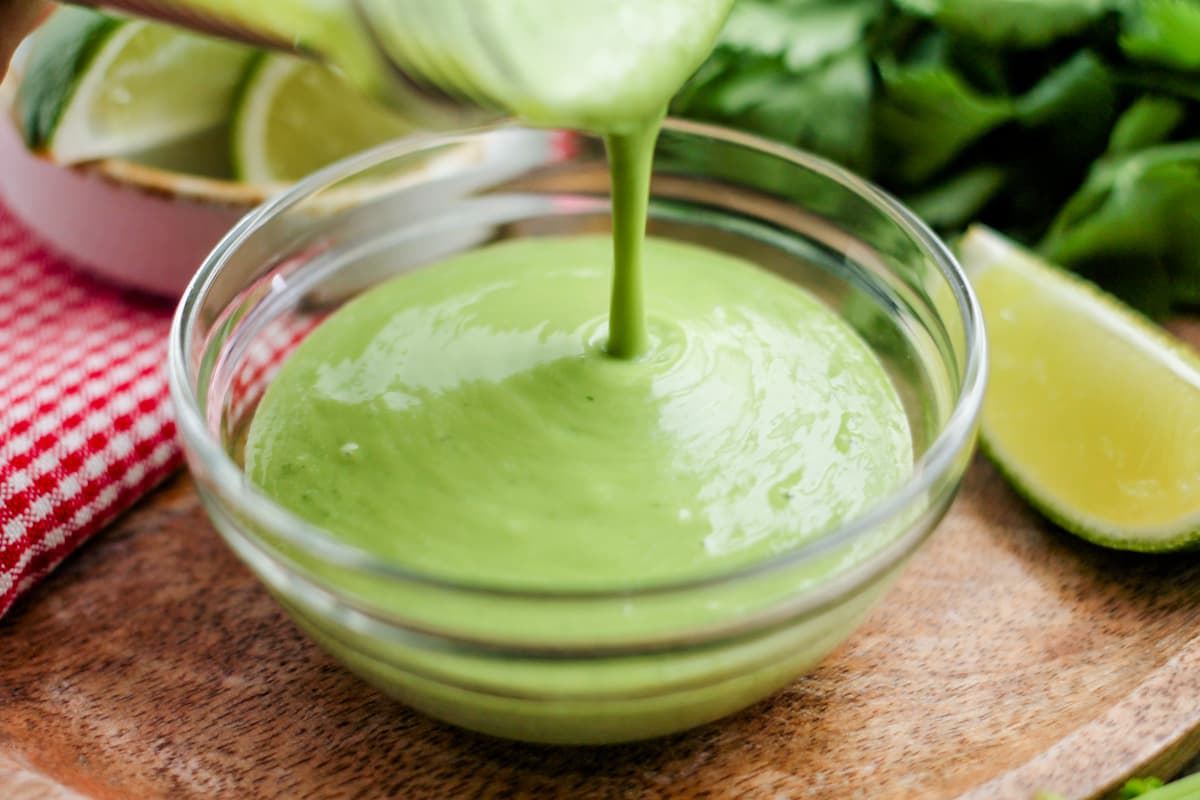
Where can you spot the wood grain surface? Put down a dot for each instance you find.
(1009, 658)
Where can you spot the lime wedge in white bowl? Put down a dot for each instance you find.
(293, 117)
(96, 86)
(1092, 411)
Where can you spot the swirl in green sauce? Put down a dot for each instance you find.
(466, 420)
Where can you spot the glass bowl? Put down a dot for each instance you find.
(577, 667)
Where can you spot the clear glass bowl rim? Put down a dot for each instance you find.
(230, 482)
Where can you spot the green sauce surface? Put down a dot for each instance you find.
(467, 421)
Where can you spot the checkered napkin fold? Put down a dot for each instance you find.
(85, 422)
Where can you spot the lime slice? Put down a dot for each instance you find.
(1092, 411)
(96, 86)
(294, 117)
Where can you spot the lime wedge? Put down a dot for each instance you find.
(96, 86)
(294, 117)
(1092, 411)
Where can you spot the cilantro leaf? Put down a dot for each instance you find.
(927, 115)
(1149, 121)
(1079, 91)
(1137, 787)
(1072, 109)
(802, 33)
(1139, 212)
(957, 200)
(1164, 32)
(827, 109)
(1019, 23)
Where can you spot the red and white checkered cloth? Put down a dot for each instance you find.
(85, 421)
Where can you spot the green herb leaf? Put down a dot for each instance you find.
(928, 115)
(802, 33)
(1153, 789)
(1164, 32)
(1072, 108)
(955, 201)
(1149, 121)
(1019, 23)
(827, 109)
(1138, 787)
(1079, 91)
(1142, 211)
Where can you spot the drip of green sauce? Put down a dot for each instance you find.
(629, 156)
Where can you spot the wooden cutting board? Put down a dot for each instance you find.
(1009, 658)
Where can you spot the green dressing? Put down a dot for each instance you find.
(466, 422)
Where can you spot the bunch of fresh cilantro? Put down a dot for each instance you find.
(1072, 125)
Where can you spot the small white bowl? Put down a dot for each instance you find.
(150, 228)
(136, 225)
